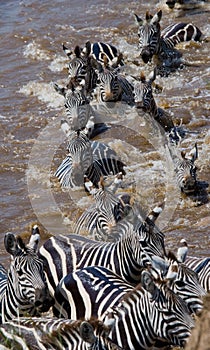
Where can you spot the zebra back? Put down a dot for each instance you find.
(24, 289)
(136, 311)
(180, 32)
(99, 50)
(155, 307)
(57, 334)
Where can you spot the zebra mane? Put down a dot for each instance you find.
(172, 256)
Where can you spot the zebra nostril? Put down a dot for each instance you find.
(146, 56)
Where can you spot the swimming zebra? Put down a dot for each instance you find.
(112, 86)
(80, 69)
(161, 45)
(23, 290)
(87, 158)
(144, 315)
(100, 50)
(185, 169)
(143, 97)
(102, 218)
(126, 257)
(57, 334)
(77, 107)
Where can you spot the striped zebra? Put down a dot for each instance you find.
(80, 69)
(126, 257)
(100, 50)
(143, 315)
(182, 280)
(23, 290)
(77, 107)
(143, 97)
(57, 334)
(111, 86)
(185, 170)
(101, 219)
(87, 158)
(154, 43)
(82, 294)
(200, 265)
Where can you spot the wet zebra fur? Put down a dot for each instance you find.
(185, 169)
(101, 220)
(181, 279)
(202, 267)
(144, 99)
(23, 289)
(87, 158)
(57, 334)
(154, 43)
(98, 291)
(126, 257)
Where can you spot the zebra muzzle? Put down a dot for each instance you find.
(146, 55)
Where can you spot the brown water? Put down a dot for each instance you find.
(32, 145)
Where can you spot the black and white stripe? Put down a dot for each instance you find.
(57, 334)
(139, 313)
(126, 257)
(202, 267)
(87, 158)
(23, 290)
(154, 42)
(182, 280)
(185, 170)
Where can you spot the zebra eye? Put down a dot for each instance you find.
(19, 272)
(180, 284)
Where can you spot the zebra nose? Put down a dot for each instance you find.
(108, 96)
(146, 55)
(170, 4)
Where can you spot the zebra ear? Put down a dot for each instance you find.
(147, 282)
(67, 51)
(35, 238)
(157, 17)
(193, 155)
(139, 21)
(11, 245)
(86, 332)
(59, 89)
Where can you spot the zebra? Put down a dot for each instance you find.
(182, 280)
(87, 158)
(108, 209)
(100, 50)
(48, 333)
(143, 97)
(23, 290)
(77, 107)
(126, 257)
(161, 45)
(143, 315)
(111, 86)
(200, 265)
(185, 170)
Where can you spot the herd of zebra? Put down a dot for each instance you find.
(118, 288)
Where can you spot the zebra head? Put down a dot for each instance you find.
(173, 323)
(182, 280)
(186, 171)
(27, 287)
(149, 35)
